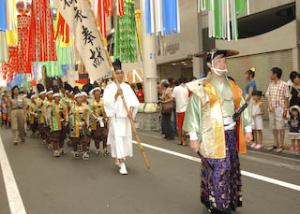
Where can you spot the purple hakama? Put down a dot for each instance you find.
(221, 188)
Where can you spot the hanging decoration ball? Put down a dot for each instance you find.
(23, 7)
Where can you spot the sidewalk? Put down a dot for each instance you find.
(268, 140)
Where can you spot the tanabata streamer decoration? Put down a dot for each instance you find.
(3, 26)
(125, 36)
(3, 21)
(120, 7)
(81, 20)
(41, 40)
(103, 9)
(11, 17)
(63, 29)
(22, 80)
(162, 16)
(222, 16)
(23, 36)
(9, 68)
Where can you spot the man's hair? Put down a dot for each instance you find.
(294, 75)
(277, 71)
(182, 80)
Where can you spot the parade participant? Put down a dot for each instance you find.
(120, 133)
(32, 116)
(47, 103)
(216, 135)
(79, 125)
(4, 110)
(40, 111)
(58, 119)
(17, 107)
(98, 120)
(68, 101)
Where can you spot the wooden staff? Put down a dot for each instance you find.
(134, 131)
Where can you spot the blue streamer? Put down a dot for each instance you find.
(170, 16)
(148, 17)
(3, 24)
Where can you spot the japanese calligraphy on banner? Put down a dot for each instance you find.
(80, 18)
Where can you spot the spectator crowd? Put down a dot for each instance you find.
(282, 108)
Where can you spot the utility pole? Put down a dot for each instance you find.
(149, 61)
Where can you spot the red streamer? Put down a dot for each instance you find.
(41, 40)
(62, 29)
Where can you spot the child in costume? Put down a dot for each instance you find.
(58, 119)
(98, 120)
(79, 125)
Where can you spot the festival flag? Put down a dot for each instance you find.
(223, 15)
(81, 20)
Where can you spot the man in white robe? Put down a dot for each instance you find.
(120, 133)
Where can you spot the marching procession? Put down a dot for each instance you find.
(66, 115)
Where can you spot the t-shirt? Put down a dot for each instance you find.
(181, 95)
(251, 84)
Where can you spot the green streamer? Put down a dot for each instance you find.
(125, 47)
(238, 8)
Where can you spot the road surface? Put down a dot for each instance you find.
(42, 184)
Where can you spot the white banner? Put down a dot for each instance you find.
(80, 18)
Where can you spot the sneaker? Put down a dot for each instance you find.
(253, 145)
(56, 153)
(272, 148)
(97, 152)
(258, 146)
(76, 154)
(279, 150)
(106, 153)
(85, 156)
(123, 170)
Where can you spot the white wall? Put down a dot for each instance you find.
(280, 39)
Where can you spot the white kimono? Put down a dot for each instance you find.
(120, 133)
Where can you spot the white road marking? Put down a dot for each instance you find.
(14, 198)
(249, 151)
(244, 173)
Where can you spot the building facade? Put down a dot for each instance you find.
(268, 38)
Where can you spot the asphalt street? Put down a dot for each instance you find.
(172, 185)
